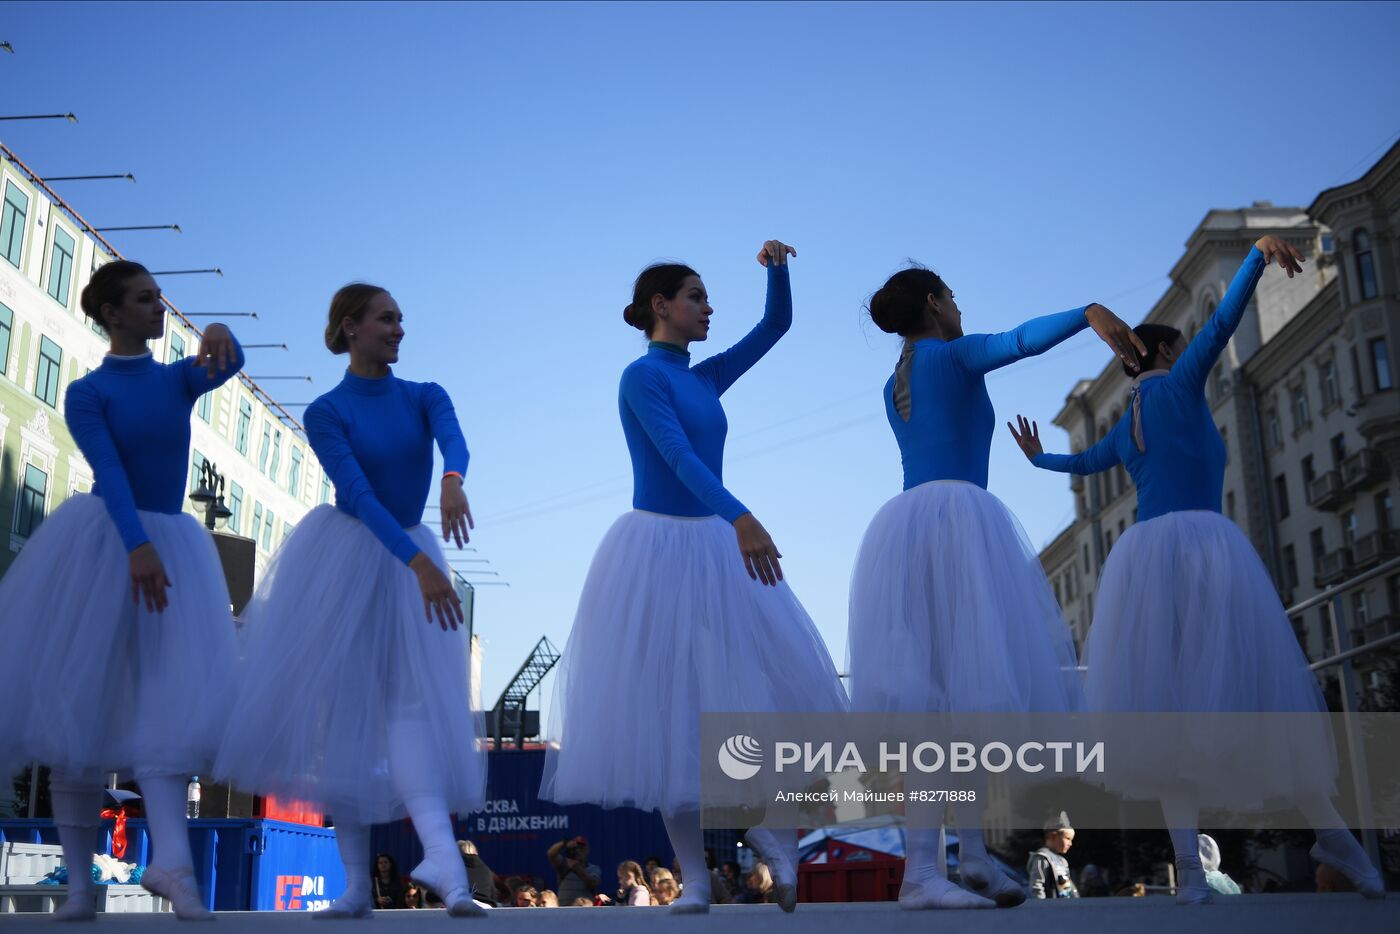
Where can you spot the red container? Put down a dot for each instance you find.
(875, 880)
(292, 812)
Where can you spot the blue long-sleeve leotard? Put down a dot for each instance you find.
(131, 419)
(949, 432)
(1183, 466)
(374, 437)
(674, 423)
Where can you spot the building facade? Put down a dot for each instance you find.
(1304, 397)
(47, 254)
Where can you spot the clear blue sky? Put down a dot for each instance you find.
(506, 170)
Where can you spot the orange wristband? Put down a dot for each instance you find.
(453, 473)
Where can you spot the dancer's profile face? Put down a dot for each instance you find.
(378, 333)
(947, 314)
(686, 317)
(141, 313)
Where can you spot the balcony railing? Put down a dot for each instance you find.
(1333, 566)
(1366, 468)
(1326, 490)
(1378, 628)
(1374, 548)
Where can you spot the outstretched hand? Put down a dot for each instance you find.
(1028, 438)
(760, 554)
(216, 349)
(775, 253)
(1114, 332)
(456, 512)
(1275, 250)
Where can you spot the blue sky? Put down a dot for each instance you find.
(505, 170)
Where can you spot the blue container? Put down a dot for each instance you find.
(241, 865)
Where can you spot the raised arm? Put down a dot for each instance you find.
(1096, 459)
(328, 440)
(1194, 366)
(982, 353)
(88, 426)
(645, 392)
(220, 357)
(724, 368)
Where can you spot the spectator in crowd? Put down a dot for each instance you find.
(650, 864)
(631, 885)
(548, 899)
(665, 890)
(526, 897)
(581, 903)
(482, 879)
(1093, 882)
(759, 887)
(1047, 866)
(1210, 862)
(412, 896)
(388, 885)
(729, 871)
(578, 878)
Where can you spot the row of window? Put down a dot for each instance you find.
(14, 216)
(1299, 405)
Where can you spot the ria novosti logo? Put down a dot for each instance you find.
(740, 757)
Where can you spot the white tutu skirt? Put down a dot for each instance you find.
(93, 682)
(1188, 620)
(349, 696)
(950, 611)
(670, 625)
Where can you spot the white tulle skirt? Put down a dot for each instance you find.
(1187, 620)
(950, 611)
(670, 625)
(349, 696)
(92, 682)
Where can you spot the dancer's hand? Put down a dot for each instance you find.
(1028, 438)
(217, 349)
(148, 578)
(775, 253)
(760, 554)
(1114, 332)
(1275, 250)
(438, 594)
(456, 512)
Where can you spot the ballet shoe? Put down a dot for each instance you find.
(937, 893)
(691, 903)
(457, 899)
(781, 862)
(344, 908)
(180, 889)
(1191, 886)
(78, 906)
(1347, 857)
(984, 878)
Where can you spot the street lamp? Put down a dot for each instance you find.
(209, 496)
(89, 178)
(71, 118)
(174, 227)
(187, 272)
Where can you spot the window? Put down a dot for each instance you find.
(276, 453)
(1230, 505)
(1281, 495)
(1392, 587)
(1275, 428)
(286, 531)
(205, 406)
(325, 487)
(7, 326)
(235, 508)
(264, 448)
(1365, 265)
(30, 511)
(257, 520)
(1225, 440)
(1339, 449)
(1360, 608)
(177, 348)
(1107, 542)
(61, 265)
(1331, 388)
(16, 212)
(1309, 475)
(1290, 567)
(1086, 559)
(1380, 364)
(294, 476)
(245, 421)
(1058, 597)
(1385, 519)
(196, 470)
(1319, 548)
(47, 375)
(267, 531)
(1122, 524)
(1326, 243)
(1349, 528)
(1298, 400)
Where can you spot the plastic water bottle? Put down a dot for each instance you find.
(192, 798)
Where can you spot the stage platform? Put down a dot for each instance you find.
(1266, 914)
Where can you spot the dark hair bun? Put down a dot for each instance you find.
(897, 307)
(630, 316)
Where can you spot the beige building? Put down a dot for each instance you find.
(1304, 397)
